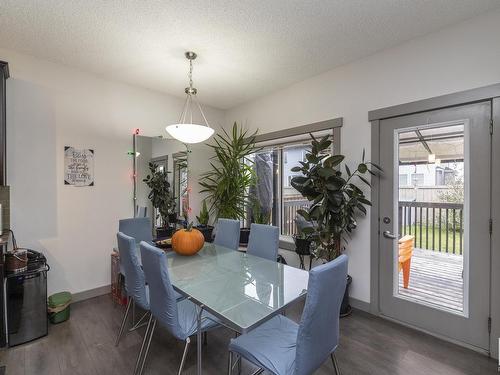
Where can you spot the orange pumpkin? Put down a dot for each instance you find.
(187, 241)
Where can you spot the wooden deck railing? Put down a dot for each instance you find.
(290, 208)
(436, 226)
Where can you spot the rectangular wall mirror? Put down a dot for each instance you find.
(161, 159)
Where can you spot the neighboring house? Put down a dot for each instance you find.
(291, 157)
(428, 182)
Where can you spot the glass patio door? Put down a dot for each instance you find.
(435, 199)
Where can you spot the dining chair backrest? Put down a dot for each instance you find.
(264, 241)
(135, 283)
(228, 233)
(140, 228)
(163, 303)
(141, 211)
(318, 334)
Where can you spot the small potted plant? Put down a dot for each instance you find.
(161, 198)
(336, 201)
(203, 226)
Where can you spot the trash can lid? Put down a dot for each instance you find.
(59, 299)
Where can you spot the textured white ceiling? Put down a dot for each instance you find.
(246, 48)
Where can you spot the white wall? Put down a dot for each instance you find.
(458, 58)
(50, 106)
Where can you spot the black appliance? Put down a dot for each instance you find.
(26, 294)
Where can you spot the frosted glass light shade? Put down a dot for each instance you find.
(190, 133)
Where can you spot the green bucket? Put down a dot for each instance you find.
(59, 307)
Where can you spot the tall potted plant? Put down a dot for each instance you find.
(160, 196)
(228, 182)
(336, 200)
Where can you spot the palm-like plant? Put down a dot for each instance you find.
(335, 201)
(232, 174)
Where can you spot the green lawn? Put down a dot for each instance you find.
(426, 242)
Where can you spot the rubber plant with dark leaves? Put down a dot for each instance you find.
(160, 195)
(335, 198)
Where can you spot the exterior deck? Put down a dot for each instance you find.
(435, 278)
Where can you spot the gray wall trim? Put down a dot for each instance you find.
(336, 140)
(438, 102)
(91, 293)
(299, 130)
(375, 222)
(360, 305)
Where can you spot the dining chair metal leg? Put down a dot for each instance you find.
(124, 321)
(258, 371)
(335, 364)
(188, 340)
(230, 363)
(133, 312)
(146, 334)
(147, 347)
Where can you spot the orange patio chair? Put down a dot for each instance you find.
(405, 253)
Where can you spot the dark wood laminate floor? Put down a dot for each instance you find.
(369, 345)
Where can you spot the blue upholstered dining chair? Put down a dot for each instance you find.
(180, 318)
(139, 228)
(228, 233)
(264, 241)
(135, 282)
(284, 347)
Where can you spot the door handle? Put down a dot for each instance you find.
(388, 234)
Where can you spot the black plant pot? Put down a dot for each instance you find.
(244, 236)
(345, 308)
(164, 232)
(172, 218)
(206, 230)
(302, 246)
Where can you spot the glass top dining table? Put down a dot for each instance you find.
(240, 289)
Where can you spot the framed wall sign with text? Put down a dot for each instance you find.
(78, 166)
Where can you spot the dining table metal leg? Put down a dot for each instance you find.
(199, 341)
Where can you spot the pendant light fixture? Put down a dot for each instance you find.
(186, 131)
